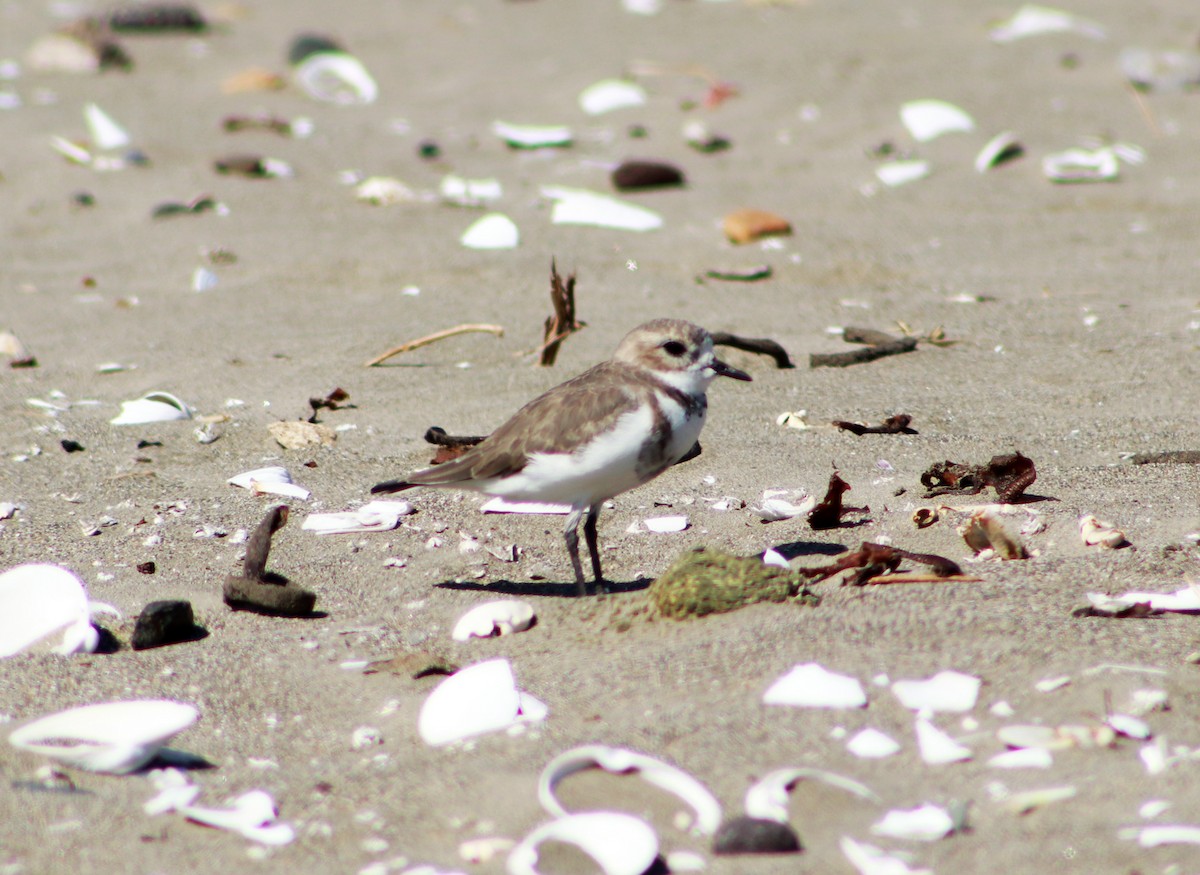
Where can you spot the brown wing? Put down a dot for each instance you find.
(564, 417)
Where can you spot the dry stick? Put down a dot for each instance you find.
(562, 321)
(881, 344)
(497, 330)
(1151, 122)
(760, 345)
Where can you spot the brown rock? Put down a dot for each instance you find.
(744, 226)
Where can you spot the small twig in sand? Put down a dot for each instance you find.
(760, 345)
(1147, 114)
(562, 323)
(879, 343)
(497, 330)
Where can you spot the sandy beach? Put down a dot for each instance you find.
(1071, 319)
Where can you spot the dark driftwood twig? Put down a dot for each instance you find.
(562, 323)
(879, 344)
(759, 345)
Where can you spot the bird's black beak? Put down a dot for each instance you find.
(724, 370)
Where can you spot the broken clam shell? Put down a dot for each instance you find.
(611, 94)
(620, 761)
(927, 823)
(998, 150)
(928, 119)
(870, 860)
(104, 133)
(946, 691)
(374, 516)
(872, 744)
(477, 700)
(983, 530)
(578, 206)
(112, 737)
(937, 748)
(768, 798)
(895, 173)
(1097, 533)
(274, 480)
(1034, 20)
(336, 77)
(810, 685)
(532, 136)
(494, 618)
(621, 844)
(154, 407)
(40, 600)
(493, 231)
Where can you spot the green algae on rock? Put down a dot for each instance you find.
(705, 581)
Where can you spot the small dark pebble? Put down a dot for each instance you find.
(142, 444)
(712, 144)
(146, 568)
(429, 150)
(633, 175)
(158, 17)
(137, 158)
(637, 132)
(165, 622)
(83, 199)
(71, 446)
(310, 44)
(751, 835)
(283, 599)
(199, 205)
(243, 165)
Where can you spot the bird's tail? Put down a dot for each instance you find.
(392, 486)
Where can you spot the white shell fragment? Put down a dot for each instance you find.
(374, 516)
(611, 94)
(1186, 600)
(1097, 533)
(273, 480)
(104, 133)
(336, 77)
(665, 525)
(946, 691)
(491, 619)
(928, 823)
(1082, 165)
(1000, 149)
(937, 748)
(503, 505)
(578, 206)
(870, 860)
(1022, 758)
(984, 531)
(894, 173)
(493, 231)
(621, 844)
(809, 685)
(771, 556)
(1154, 836)
(1034, 20)
(928, 119)
(479, 699)
(40, 600)
(532, 136)
(1032, 800)
(768, 798)
(871, 744)
(619, 761)
(154, 407)
(783, 504)
(469, 192)
(384, 191)
(112, 737)
(252, 815)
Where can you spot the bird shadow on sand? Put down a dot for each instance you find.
(792, 549)
(543, 588)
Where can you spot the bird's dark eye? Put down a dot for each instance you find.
(674, 347)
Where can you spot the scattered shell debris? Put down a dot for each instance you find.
(252, 815)
(870, 860)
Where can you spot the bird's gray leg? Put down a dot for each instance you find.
(571, 533)
(589, 532)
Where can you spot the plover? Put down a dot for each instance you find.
(613, 427)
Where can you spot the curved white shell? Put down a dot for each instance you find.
(478, 699)
(946, 691)
(610, 94)
(1000, 148)
(274, 480)
(374, 516)
(894, 173)
(494, 618)
(812, 686)
(621, 844)
(928, 119)
(872, 744)
(620, 761)
(37, 601)
(154, 407)
(113, 737)
(532, 136)
(493, 231)
(768, 799)
(336, 77)
(665, 525)
(870, 860)
(578, 206)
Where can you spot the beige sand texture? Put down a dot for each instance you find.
(1078, 348)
